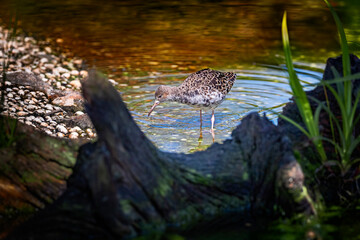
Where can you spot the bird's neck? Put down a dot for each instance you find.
(174, 94)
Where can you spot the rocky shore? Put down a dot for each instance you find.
(42, 88)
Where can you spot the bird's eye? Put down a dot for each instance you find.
(160, 96)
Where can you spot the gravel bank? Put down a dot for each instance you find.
(56, 106)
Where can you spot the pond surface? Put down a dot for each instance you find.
(142, 44)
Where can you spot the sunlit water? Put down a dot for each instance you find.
(176, 127)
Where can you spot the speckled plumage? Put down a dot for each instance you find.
(206, 88)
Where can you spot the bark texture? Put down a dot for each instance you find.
(122, 186)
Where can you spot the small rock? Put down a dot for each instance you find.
(75, 84)
(59, 134)
(74, 72)
(79, 113)
(22, 113)
(28, 123)
(44, 60)
(62, 129)
(30, 118)
(73, 135)
(62, 70)
(78, 62)
(31, 107)
(66, 75)
(84, 73)
(10, 95)
(44, 124)
(38, 120)
(18, 108)
(12, 109)
(48, 132)
(75, 129)
(89, 132)
(49, 107)
(21, 92)
(49, 66)
(40, 111)
(47, 50)
(26, 59)
(7, 83)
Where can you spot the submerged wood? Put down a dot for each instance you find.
(123, 186)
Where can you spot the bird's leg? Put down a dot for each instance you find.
(212, 121)
(200, 118)
(212, 125)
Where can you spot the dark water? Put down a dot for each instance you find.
(142, 44)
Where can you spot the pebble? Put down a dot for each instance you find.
(21, 92)
(79, 113)
(73, 135)
(44, 124)
(59, 134)
(89, 132)
(75, 129)
(66, 75)
(74, 72)
(61, 129)
(30, 118)
(48, 132)
(33, 107)
(49, 107)
(75, 84)
(21, 114)
(44, 60)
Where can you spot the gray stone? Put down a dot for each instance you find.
(49, 107)
(62, 129)
(31, 107)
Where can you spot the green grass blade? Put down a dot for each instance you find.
(299, 94)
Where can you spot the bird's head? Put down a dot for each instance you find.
(162, 94)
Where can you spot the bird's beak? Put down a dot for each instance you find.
(153, 107)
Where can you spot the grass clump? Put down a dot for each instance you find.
(344, 138)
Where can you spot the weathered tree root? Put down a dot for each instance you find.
(122, 186)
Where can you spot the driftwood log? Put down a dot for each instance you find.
(122, 186)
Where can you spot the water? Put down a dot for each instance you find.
(143, 44)
(175, 127)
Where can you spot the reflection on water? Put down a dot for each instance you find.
(142, 44)
(175, 127)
